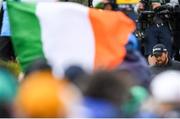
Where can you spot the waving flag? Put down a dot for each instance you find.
(68, 33)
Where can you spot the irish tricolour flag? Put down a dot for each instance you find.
(68, 33)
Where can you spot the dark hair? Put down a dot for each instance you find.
(106, 85)
(73, 72)
(77, 75)
(38, 64)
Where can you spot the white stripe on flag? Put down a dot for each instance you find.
(59, 28)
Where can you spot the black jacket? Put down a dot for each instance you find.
(171, 65)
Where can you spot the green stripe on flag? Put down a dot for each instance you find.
(26, 32)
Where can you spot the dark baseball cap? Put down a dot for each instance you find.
(159, 49)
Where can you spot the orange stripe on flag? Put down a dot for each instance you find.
(111, 31)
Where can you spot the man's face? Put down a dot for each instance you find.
(162, 58)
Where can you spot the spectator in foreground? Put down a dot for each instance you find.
(43, 95)
(8, 89)
(166, 91)
(105, 94)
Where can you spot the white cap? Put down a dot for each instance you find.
(165, 87)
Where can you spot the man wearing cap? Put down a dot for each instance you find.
(163, 61)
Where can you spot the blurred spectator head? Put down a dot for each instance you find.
(74, 72)
(165, 89)
(42, 95)
(106, 85)
(104, 94)
(127, 76)
(77, 76)
(8, 89)
(38, 65)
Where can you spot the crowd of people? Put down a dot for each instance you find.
(136, 88)
(130, 90)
